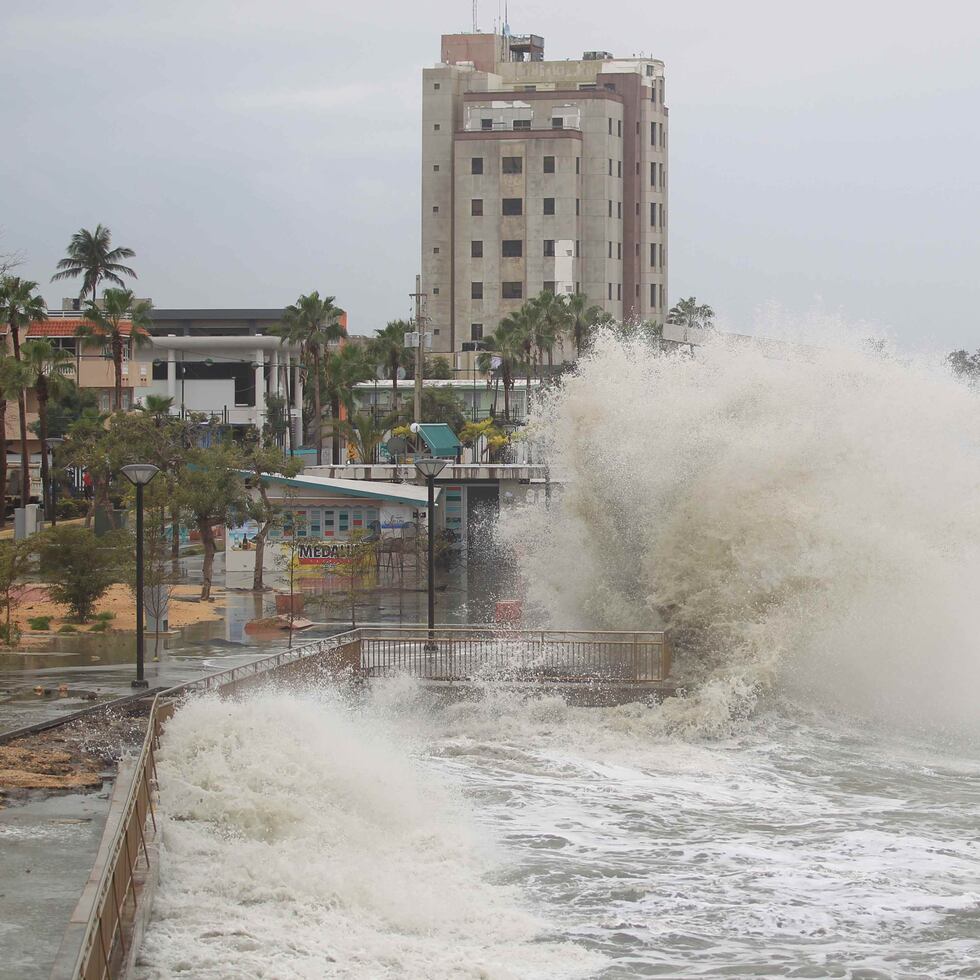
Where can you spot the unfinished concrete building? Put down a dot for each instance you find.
(540, 175)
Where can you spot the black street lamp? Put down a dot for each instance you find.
(139, 474)
(430, 467)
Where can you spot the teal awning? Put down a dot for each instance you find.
(440, 439)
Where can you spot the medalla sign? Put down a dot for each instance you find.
(319, 553)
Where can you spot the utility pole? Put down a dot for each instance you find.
(420, 319)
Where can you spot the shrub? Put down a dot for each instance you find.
(104, 617)
(39, 622)
(81, 567)
(99, 627)
(67, 628)
(69, 508)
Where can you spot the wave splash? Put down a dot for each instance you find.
(803, 519)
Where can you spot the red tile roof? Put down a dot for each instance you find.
(59, 327)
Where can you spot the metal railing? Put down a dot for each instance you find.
(450, 654)
(468, 653)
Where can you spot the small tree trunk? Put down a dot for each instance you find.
(207, 539)
(317, 408)
(258, 585)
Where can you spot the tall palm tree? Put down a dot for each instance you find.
(90, 255)
(121, 319)
(582, 319)
(551, 323)
(314, 324)
(501, 358)
(388, 349)
(518, 330)
(690, 314)
(342, 369)
(20, 306)
(46, 369)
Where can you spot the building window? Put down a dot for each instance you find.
(586, 86)
(619, 250)
(549, 248)
(619, 168)
(609, 120)
(653, 215)
(637, 168)
(578, 206)
(522, 124)
(435, 208)
(557, 122)
(436, 127)
(619, 290)
(436, 86)
(529, 88)
(653, 174)
(636, 291)
(476, 290)
(512, 290)
(576, 247)
(476, 331)
(653, 295)
(609, 290)
(512, 165)
(578, 165)
(637, 209)
(476, 165)
(512, 205)
(476, 207)
(619, 127)
(619, 209)
(435, 290)
(486, 124)
(610, 209)
(476, 249)
(435, 251)
(435, 168)
(609, 87)
(511, 248)
(653, 134)
(661, 216)
(549, 205)
(610, 168)
(653, 254)
(549, 286)
(549, 165)
(609, 250)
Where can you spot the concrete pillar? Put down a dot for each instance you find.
(259, 387)
(172, 375)
(298, 404)
(275, 372)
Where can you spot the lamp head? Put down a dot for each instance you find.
(139, 474)
(430, 466)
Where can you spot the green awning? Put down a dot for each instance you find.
(440, 439)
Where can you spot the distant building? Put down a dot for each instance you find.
(540, 175)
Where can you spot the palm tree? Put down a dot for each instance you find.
(688, 314)
(501, 357)
(314, 324)
(365, 432)
(389, 350)
(9, 377)
(91, 256)
(45, 369)
(158, 406)
(342, 369)
(552, 321)
(20, 306)
(121, 319)
(518, 329)
(581, 320)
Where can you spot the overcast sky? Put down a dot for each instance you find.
(822, 155)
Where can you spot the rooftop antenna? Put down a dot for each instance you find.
(476, 30)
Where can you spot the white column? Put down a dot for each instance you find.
(274, 383)
(259, 387)
(172, 375)
(298, 404)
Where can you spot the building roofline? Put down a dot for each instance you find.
(224, 313)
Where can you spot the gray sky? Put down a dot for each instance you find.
(822, 155)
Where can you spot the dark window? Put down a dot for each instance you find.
(637, 207)
(587, 86)
(476, 290)
(610, 209)
(486, 124)
(653, 294)
(549, 247)
(476, 206)
(609, 120)
(557, 122)
(476, 331)
(549, 165)
(549, 205)
(609, 87)
(661, 216)
(609, 255)
(436, 127)
(653, 134)
(512, 290)
(578, 206)
(435, 209)
(512, 205)
(653, 175)
(619, 168)
(436, 86)
(435, 290)
(619, 290)
(609, 289)
(619, 209)
(653, 215)
(549, 285)
(512, 248)
(578, 165)
(619, 250)
(619, 127)
(512, 165)
(476, 249)
(610, 168)
(435, 168)
(653, 253)
(476, 165)
(435, 251)
(576, 247)
(522, 124)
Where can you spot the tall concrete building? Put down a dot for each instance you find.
(540, 175)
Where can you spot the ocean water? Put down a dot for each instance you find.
(805, 520)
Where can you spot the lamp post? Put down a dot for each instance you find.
(430, 467)
(139, 474)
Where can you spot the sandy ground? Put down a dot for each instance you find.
(35, 601)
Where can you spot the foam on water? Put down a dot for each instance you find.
(805, 519)
(299, 842)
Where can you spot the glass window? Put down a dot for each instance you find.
(476, 331)
(549, 165)
(476, 206)
(549, 247)
(476, 249)
(512, 206)
(512, 248)
(476, 290)
(476, 165)
(549, 205)
(512, 290)
(522, 124)
(512, 165)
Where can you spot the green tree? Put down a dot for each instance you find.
(16, 559)
(80, 567)
(20, 306)
(121, 320)
(551, 322)
(365, 433)
(390, 353)
(690, 314)
(157, 406)
(314, 324)
(68, 405)
(442, 405)
(581, 320)
(9, 388)
(438, 368)
(342, 369)
(90, 255)
(212, 492)
(45, 371)
(261, 461)
(500, 358)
